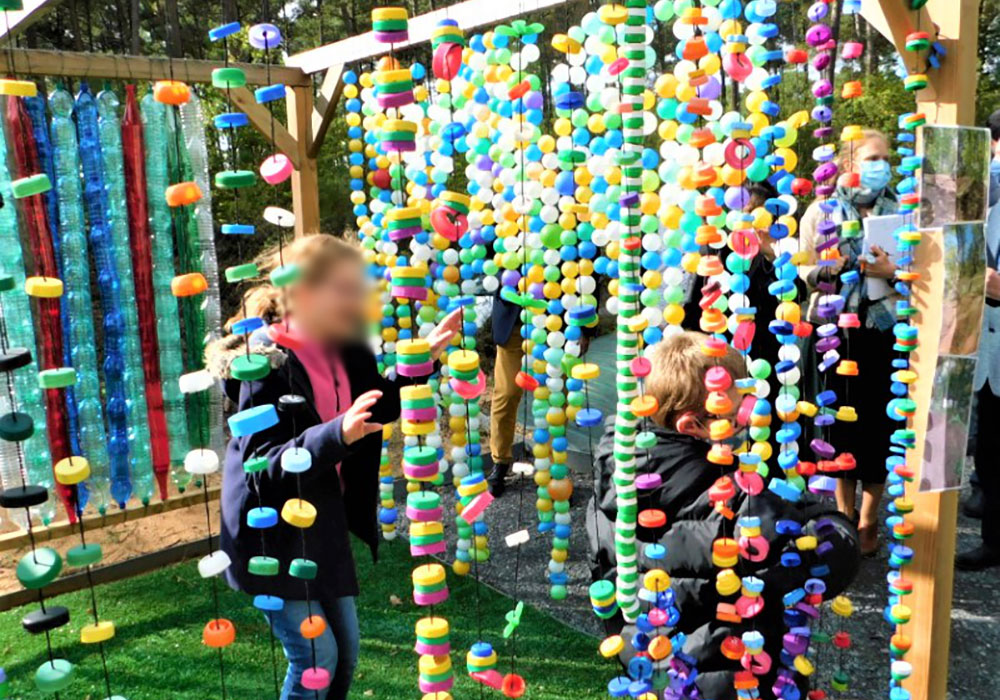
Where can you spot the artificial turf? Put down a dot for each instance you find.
(157, 652)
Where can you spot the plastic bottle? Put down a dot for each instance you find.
(141, 460)
(193, 128)
(34, 221)
(134, 166)
(167, 315)
(79, 340)
(20, 333)
(43, 144)
(189, 260)
(109, 286)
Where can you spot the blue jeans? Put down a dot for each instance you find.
(336, 649)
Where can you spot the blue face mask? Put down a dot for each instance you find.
(875, 175)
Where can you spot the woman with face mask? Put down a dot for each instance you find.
(862, 191)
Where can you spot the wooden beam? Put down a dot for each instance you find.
(894, 22)
(112, 572)
(949, 99)
(18, 539)
(72, 64)
(326, 107)
(470, 14)
(260, 118)
(17, 21)
(305, 178)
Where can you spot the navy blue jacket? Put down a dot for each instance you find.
(505, 318)
(326, 542)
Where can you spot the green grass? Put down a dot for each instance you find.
(158, 653)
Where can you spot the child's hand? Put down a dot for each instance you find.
(355, 425)
(443, 332)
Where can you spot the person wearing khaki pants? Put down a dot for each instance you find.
(506, 393)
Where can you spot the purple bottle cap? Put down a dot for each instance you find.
(817, 11)
(264, 36)
(822, 88)
(825, 190)
(818, 34)
(822, 449)
(824, 345)
(826, 228)
(821, 60)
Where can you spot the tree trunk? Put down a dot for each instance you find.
(831, 70)
(173, 21)
(135, 46)
(74, 25)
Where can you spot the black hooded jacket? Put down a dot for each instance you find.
(326, 542)
(692, 525)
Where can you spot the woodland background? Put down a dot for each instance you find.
(178, 28)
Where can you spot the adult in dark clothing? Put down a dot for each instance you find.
(693, 523)
(870, 344)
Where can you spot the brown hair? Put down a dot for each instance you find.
(846, 154)
(315, 254)
(677, 377)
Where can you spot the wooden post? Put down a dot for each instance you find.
(949, 99)
(305, 178)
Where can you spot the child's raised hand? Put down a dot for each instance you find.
(355, 425)
(441, 336)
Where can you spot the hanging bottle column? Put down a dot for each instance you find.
(140, 456)
(140, 243)
(34, 218)
(167, 328)
(85, 395)
(16, 465)
(109, 286)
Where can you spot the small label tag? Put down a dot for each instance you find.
(525, 468)
(517, 538)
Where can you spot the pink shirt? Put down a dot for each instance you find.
(328, 377)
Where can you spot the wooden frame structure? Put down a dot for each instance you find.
(948, 99)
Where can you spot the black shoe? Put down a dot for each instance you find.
(975, 505)
(982, 557)
(498, 479)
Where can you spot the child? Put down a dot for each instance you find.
(692, 523)
(333, 402)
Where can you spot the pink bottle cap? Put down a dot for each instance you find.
(640, 367)
(276, 168)
(424, 516)
(648, 482)
(718, 379)
(419, 414)
(429, 598)
(422, 370)
(315, 678)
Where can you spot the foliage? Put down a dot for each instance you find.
(105, 26)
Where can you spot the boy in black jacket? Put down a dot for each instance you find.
(693, 524)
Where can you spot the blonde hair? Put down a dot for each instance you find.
(845, 158)
(677, 376)
(315, 254)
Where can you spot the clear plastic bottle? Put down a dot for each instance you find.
(21, 333)
(188, 260)
(79, 338)
(154, 115)
(36, 107)
(141, 460)
(109, 286)
(193, 128)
